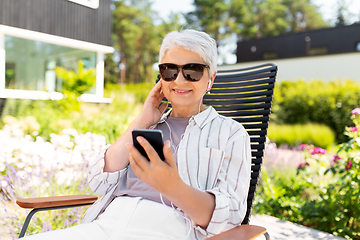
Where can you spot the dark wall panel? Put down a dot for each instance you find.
(61, 18)
(335, 40)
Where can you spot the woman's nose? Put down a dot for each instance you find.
(180, 78)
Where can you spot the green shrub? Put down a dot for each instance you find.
(109, 120)
(323, 192)
(293, 135)
(328, 103)
(75, 84)
(120, 92)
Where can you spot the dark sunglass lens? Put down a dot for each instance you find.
(193, 72)
(168, 72)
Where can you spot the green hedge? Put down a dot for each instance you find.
(293, 135)
(316, 101)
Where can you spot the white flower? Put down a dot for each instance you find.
(2, 166)
(21, 174)
(63, 159)
(4, 184)
(20, 165)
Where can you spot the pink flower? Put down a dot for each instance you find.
(356, 111)
(303, 146)
(336, 158)
(348, 165)
(353, 129)
(318, 150)
(302, 165)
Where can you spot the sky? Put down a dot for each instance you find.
(328, 8)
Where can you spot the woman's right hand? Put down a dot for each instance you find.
(117, 156)
(151, 112)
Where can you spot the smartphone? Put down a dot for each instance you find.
(154, 137)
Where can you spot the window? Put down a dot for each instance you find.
(88, 3)
(30, 64)
(9, 74)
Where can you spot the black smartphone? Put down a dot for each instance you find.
(154, 137)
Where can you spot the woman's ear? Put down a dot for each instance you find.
(211, 81)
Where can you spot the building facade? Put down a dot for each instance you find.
(38, 35)
(327, 54)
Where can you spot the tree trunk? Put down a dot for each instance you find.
(123, 70)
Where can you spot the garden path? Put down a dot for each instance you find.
(282, 230)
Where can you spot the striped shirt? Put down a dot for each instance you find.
(214, 155)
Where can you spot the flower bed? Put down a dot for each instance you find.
(32, 167)
(321, 191)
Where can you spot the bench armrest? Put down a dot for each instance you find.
(242, 232)
(57, 201)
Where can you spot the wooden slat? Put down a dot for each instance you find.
(243, 232)
(44, 202)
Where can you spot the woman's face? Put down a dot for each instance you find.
(185, 96)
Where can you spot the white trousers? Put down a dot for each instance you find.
(126, 218)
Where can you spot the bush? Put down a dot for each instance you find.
(109, 120)
(322, 192)
(327, 103)
(297, 134)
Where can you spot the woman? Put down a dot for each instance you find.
(200, 189)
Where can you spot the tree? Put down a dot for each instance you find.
(244, 15)
(135, 38)
(211, 16)
(342, 13)
(272, 18)
(261, 18)
(303, 15)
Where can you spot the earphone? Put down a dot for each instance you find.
(208, 87)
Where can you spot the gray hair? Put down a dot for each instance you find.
(198, 42)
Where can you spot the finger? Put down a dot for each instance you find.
(150, 151)
(135, 167)
(135, 157)
(163, 107)
(168, 154)
(157, 88)
(156, 94)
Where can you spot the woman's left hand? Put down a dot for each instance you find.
(161, 175)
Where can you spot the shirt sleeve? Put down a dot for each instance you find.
(232, 185)
(99, 181)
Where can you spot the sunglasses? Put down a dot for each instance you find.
(191, 71)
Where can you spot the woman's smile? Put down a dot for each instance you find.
(181, 91)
